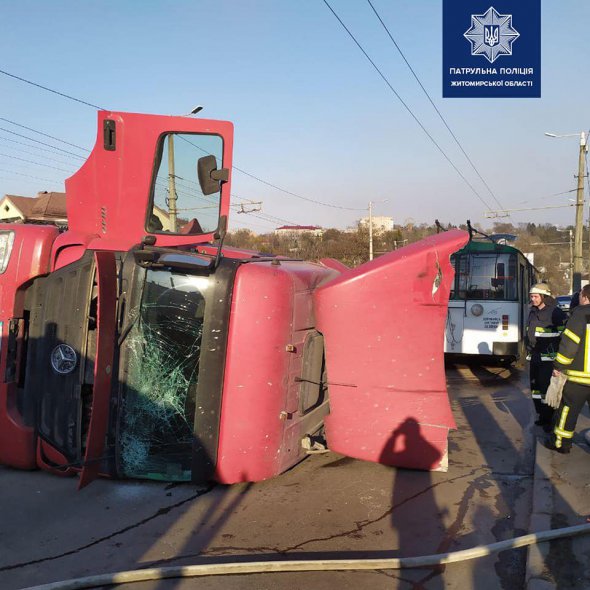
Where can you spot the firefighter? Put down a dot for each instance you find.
(545, 324)
(573, 359)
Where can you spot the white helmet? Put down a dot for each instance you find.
(540, 289)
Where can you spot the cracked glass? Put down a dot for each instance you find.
(162, 353)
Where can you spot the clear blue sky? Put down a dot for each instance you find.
(310, 113)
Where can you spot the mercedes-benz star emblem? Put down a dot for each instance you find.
(63, 359)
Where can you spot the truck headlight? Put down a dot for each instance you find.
(6, 243)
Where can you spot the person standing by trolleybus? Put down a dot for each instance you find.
(544, 327)
(573, 359)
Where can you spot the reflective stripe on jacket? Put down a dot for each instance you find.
(573, 356)
(544, 328)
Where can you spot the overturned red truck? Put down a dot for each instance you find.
(135, 345)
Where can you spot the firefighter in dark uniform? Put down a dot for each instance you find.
(573, 359)
(544, 327)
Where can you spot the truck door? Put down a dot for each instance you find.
(383, 325)
(106, 286)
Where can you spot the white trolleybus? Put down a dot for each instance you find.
(489, 302)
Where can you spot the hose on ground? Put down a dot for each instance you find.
(259, 567)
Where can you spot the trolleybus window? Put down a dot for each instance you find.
(485, 276)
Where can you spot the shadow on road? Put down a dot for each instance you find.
(511, 460)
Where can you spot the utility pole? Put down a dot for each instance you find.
(171, 185)
(370, 230)
(571, 262)
(579, 229)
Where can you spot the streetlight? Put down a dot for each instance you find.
(579, 227)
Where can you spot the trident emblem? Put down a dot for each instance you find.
(491, 35)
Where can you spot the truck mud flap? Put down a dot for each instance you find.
(384, 327)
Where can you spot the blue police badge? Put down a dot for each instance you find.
(491, 34)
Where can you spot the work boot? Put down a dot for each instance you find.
(544, 423)
(550, 444)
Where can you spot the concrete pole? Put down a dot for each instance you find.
(579, 229)
(171, 185)
(571, 261)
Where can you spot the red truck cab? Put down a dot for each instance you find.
(135, 345)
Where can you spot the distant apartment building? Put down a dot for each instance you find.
(381, 223)
(44, 208)
(295, 231)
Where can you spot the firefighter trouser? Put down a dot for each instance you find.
(540, 373)
(574, 397)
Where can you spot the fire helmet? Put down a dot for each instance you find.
(540, 289)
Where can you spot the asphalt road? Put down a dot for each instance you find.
(327, 507)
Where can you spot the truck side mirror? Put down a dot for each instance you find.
(209, 176)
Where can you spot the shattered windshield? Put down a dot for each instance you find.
(162, 353)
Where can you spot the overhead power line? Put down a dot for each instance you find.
(405, 105)
(41, 133)
(506, 212)
(278, 187)
(298, 196)
(36, 163)
(28, 175)
(62, 94)
(36, 154)
(54, 150)
(573, 190)
(434, 105)
(51, 90)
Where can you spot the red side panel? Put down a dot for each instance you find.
(334, 264)
(48, 458)
(106, 273)
(30, 257)
(271, 314)
(383, 325)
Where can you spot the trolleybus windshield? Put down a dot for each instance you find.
(485, 276)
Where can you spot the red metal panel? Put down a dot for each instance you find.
(109, 195)
(334, 264)
(69, 247)
(30, 257)
(50, 459)
(383, 325)
(269, 312)
(106, 273)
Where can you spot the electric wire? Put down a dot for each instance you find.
(43, 134)
(21, 151)
(51, 90)
(434, 106)
(62, 94)
(29, 175)
(278, 187)
(269, 217)
(37, 163)
(41, 142)
(405, 105)
(298, 196)
(573, 190)
(52, 151)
